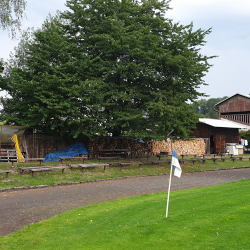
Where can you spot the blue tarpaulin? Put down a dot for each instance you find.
(72, 150)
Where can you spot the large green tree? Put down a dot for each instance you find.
(11, 13)
(119, 67)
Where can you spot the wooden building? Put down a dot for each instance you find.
(32, 145)
(217, 133)
(235, 108)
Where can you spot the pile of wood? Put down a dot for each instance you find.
(192, 147)
(135, 147)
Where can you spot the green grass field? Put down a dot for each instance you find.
(50, 178)
(215, 217)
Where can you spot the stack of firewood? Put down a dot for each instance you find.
(192, 147)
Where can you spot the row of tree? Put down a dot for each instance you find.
(115, 66)
(205, 107)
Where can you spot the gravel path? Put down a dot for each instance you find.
(19, 208)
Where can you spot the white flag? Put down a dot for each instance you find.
(176, 164)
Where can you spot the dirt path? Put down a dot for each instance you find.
(19, 208)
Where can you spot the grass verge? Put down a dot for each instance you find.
(54, 177)
(215, 217)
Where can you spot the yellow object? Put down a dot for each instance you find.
(19, 154)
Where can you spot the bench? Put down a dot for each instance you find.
(110, 164)
(113, 152)
(162, 161)
(6, 171)
(206, 159)
(221, 155)
(215, 159)
(27, 168)
(32, 170)
(185, 160)
(61, 167)
(49, 168)
(71, 166)
(73, 158)
(130, 164)
(34, 159)
(121, 151)
(141, 156)
(107, 158)
(106, 152)
(91, 165)
(226, 158)
(40, 169)
(242, 157)
(206, 155)
(188, 156)
(163, 156)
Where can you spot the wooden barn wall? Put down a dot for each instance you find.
(205, 131)
(38, 146)
(148, 148)
(235, 104)
(231, 134)
(202, 131)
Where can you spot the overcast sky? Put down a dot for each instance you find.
(229, 40)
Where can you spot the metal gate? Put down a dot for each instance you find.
(220, 144)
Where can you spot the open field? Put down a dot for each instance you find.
(54, 177)
(215, 217)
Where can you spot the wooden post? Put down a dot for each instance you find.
(1, 137)
(32, 155)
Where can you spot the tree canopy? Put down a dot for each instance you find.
(245, 135)
(11, 13)
(119, 67)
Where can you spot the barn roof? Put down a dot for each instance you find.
(247, 96)
(6, 133)
(222, 123)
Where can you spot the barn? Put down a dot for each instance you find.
(235, 108)
(217, 133)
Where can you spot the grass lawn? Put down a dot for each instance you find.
(50, 178)
(215, 217)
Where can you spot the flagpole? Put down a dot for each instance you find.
(169, 189)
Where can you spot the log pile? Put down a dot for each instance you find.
(192, 147)
(134, 147)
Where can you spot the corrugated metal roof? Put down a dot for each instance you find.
(247, 96)
(8, 131)
(222, 123)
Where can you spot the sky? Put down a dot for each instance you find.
(229, 39)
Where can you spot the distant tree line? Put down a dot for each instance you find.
(205, 108)
(246, 136)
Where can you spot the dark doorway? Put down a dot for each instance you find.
(212, 144)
